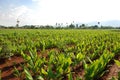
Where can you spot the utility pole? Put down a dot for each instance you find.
(17, 25)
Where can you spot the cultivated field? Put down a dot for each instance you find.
(71, 54)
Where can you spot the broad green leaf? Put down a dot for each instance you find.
(117, 62)
(43, 71)
(28, 74)
(70, 76)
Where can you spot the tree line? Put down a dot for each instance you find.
(71, 26)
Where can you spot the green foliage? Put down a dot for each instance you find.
(17, 73)
(6, 50)
(28, 74)
(96, 69)
(52, 54)
(117, 62)
(0, 75)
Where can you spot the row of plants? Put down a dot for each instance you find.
(59, 66)
(13, 41)
(92, 48)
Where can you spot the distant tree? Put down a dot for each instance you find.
(95, 26)
(32, 26)
(58, 28)
(71, 26)
(107, 27)
(48, 27)
(11, 27)
(26, 26)
(1, 26)
(117, 27)
(82, 26)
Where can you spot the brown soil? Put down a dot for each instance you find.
(111, 70)
(7, 67)
(78, 71)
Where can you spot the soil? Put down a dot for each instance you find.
(111, 70)
(7, 69)
(78, 71)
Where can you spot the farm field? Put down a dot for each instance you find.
(71, 54)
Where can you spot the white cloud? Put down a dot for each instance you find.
(21, 12)
(52, 11)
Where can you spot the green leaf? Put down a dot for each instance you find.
(39, 77)
(25, 56)
(118, 75)
(85, 65)
(28, 74)
(69, 60)
(117, 62)
(43, 71)
(0, 75)
(80, 56)
(17, 73)
(70, 76)
(89, 60)
(113, 78)
(32, 56)
(51, 74)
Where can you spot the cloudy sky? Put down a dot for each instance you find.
(42, 12)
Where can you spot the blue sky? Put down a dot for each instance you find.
(42, 12)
